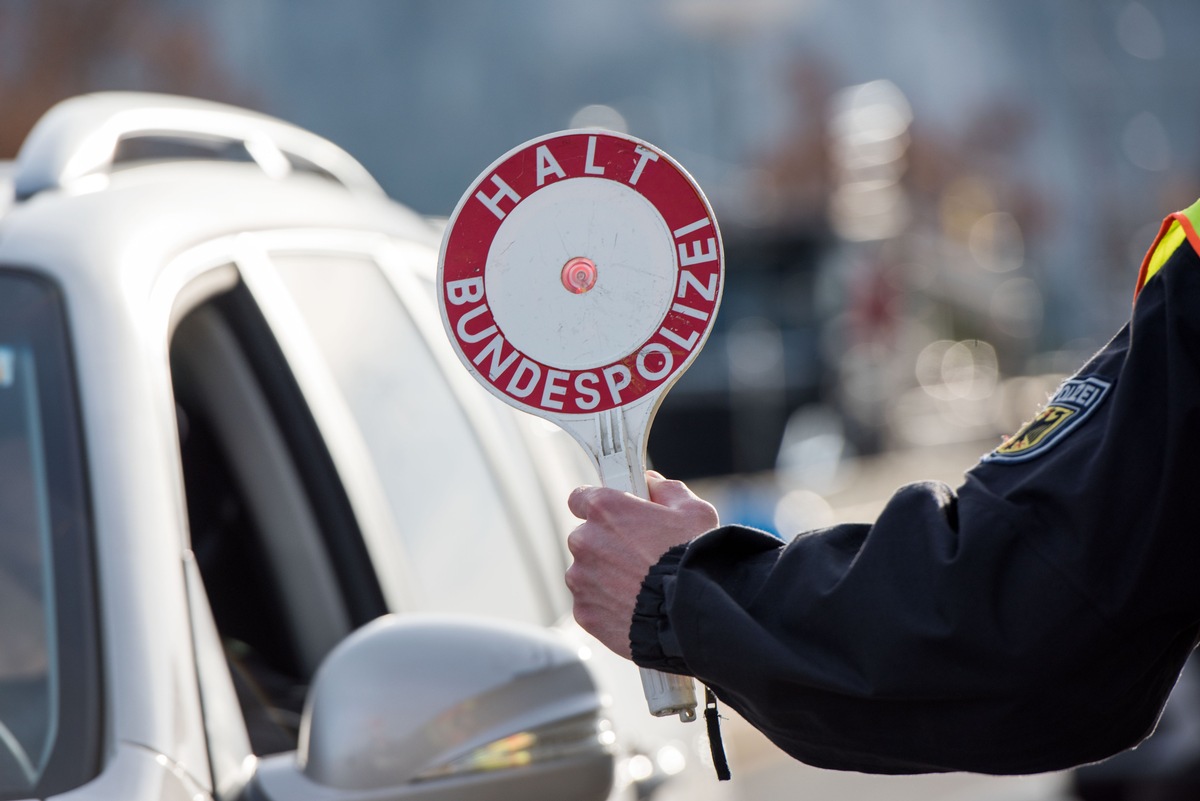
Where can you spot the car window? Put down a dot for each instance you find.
(275, 543)
(49, 696)
(457, 528)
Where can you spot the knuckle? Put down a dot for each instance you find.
(577, 541)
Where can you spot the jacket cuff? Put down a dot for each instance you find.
(652, 641)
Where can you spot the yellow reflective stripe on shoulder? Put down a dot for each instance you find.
(1164, 246)
(1177, 228)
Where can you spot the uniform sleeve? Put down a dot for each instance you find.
(1033, 619)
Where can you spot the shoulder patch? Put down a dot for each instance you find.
(1074, 402)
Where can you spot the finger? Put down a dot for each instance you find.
(592, 503)
(580, 500)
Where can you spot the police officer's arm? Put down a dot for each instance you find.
(1032, 620)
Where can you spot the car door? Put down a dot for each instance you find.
(330, 470)
(279, 479)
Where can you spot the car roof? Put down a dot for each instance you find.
(68, 175)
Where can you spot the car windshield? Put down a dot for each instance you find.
(48, 698)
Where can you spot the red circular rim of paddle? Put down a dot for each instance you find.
(599, 155)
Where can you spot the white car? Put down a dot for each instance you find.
(261, 536)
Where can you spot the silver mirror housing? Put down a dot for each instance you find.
(444, 707)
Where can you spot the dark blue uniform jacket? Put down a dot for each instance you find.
(1033, 619)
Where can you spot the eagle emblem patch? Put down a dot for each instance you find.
(1074, 402)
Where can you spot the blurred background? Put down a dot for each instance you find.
(931, 210)
(923, 204)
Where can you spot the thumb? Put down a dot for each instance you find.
(668, 492)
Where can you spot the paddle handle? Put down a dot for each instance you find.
(666, 693)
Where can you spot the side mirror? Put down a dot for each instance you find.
(432, 707)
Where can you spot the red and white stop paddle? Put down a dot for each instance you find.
(579, 276)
